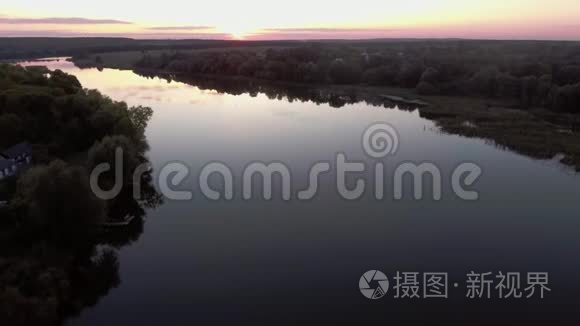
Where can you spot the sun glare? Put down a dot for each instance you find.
(238, 35)
(237, 31)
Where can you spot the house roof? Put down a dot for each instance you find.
(5, 164)
(16, 150)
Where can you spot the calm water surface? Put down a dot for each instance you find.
(201, 261)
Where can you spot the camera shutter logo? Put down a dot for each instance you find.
(374, 284)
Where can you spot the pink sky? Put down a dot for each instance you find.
(475, 32)
(299, 19)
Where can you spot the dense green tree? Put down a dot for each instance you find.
(140, 116)
(566, 98)
(430, 75)
(69, 83)
(507, 86)
(105, 151)
(249, 67)
(12, 129)
(529, 91)
(58, 197)
(484, 82)
(409, 75)
(342, 72)
(426, 88)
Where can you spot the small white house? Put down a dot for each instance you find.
(7, 168)
(14, 159)
(20, 153)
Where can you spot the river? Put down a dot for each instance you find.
(201, 261)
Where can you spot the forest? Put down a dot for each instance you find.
(43, 47)
(531, 74)
(52, 264)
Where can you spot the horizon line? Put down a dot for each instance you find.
(442, 38)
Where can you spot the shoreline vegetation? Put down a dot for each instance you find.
(520, 95)
(55, 256)
(537, 133)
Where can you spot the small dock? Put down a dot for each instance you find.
(124, 222)
(402, 100)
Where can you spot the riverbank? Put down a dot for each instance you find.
(537, 133)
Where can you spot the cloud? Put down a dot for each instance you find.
(326, 30)
(180, 28)
(473, 31)
(321, 33)
(60, 21)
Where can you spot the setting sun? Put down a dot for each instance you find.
(236, 34)
(238, 30)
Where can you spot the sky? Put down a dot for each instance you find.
(298, 19)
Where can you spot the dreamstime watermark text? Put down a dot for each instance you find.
(379, 142)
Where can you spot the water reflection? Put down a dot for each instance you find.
(47, 281)
(537, 144)
(335, 97)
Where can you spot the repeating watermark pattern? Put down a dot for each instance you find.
(374, 285)
(379, 142)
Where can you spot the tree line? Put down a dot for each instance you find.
(45, 47)
(531, 74)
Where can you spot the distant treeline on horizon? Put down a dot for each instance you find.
(527, 74)
(44, 47)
